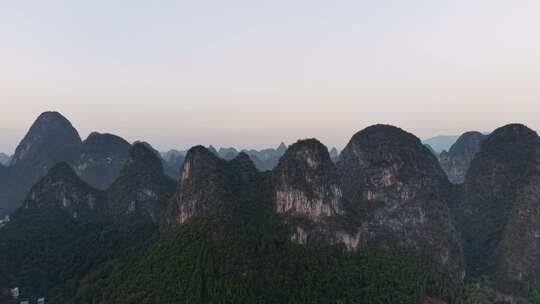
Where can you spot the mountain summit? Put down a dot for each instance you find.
(399, 192)
(142, 189)
(51, 134)
(499, 202)
(62, 189)
(378, 222)
(308, 190)
(200, 189)
(101, 158)
(50, 140)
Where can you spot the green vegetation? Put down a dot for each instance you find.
(242, 254)
(47, 253)
(485, 291)
(209, 261)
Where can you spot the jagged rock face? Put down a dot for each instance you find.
(385, 163)
(308, 192)
(520, 252)
(51, 132)
(62, 189)
(171, 161)
(457, 160)
(142, 189)
(491, 197)
(210, 186)
(101, 159)
(243, 169)
(50, 140)
(200, 191)
(307, 183)
(398, 190)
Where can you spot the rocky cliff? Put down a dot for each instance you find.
(399, 195)
(211, 187)
(142, 189)
(497, 214)
(230, 225)
(457, 160)
(201, 187)
(308, 191)
(51, 137)
(229, 235)
(520, 244)
(50, 140)
(61, 189)
(387, 191)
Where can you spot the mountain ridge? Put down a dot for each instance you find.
(380, 218)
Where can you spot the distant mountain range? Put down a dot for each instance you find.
(388, 221)
(97, 160)
(264, 160)
(441, 142)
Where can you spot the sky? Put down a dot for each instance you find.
(252, 74)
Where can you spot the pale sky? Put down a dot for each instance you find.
(251, 74)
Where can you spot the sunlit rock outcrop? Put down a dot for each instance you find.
(308, 190)
(200, 191)
(307, 183)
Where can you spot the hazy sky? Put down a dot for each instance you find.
(254, 73)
